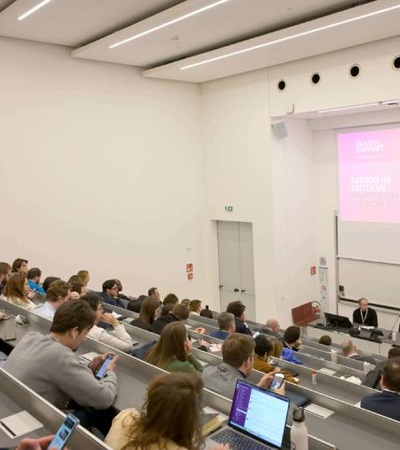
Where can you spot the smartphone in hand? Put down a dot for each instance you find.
(103, 368)
(277, 381)
(64, 432)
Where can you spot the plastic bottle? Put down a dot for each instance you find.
(299, 433)
(334, 356)
(394, 336)
(314, 377)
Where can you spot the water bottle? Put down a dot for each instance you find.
(299, 433)
(334, 356)
(314, 377)
(394, 336)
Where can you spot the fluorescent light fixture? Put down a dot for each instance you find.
(167, 24)
(294, 36)
(34, 9)
(346, 108)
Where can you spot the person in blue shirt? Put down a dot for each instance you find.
(33, 278)
(227, 326)
(109, 294)
(291, 342)
(57, 294)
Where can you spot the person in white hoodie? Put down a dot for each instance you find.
(121, 341)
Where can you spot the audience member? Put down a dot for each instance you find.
(57, 294)
(83, 277)
(173, 351)
(325, 340)
(165, 309)
(5, 274)
(238, 310)
(206, 313)
(171, 298)
(365, 315)
(185, 302)
(49, 365)
(136, 303)
(167, 421)
(149, 312)
(18, 292)
(350, 351)
(195, 307)
(238, 358)
(262, 358)
(47, 282)
(373, 377)
(227, 326)
(291, 344)
(122, 341)
(154, 292)
(179, 312)
(110, 294)
(78, 290)
(272, 328)
(387, 402)
(120, 289)
(33, 278)
(20, 266)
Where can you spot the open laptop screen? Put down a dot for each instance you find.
(259, 413)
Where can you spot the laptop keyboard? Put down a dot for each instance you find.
(237, 441)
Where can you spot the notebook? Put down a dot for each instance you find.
(257, 419)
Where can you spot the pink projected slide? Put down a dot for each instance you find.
(369, 176)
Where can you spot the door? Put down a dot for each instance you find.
(236, 265)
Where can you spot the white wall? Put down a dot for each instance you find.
(100, 169)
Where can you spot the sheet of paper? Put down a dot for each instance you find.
(19, 424)
(327, 371)
(318, 411)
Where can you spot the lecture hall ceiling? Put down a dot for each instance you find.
(200, 40)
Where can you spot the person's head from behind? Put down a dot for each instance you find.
(168, 416)
(206, 313)
(273, 325)
(71, 323)
(277, 348)
(83, 277)
(47, 282)
(186, 302)
(226, 322)
(237, 309)
(58, 293)
(20, 266)
(166, 309)
(292, 336)
(325, 340)
(77, 290)
(363, 302)
(154, 292)
(238, 352)
(150, 310)
(110, 288)
(171, 298)
(15, 287)
(180, 311)
(394, 352)
(34, 275)
(348, 347)
(96, 304)
(5, 272)
(391, 375)
(174, 343)
(263, 347)
(195, 306)
(119, 285)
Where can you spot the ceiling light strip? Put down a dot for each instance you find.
(346, 108)
(34, 9)
(289, 38)
(167, 24)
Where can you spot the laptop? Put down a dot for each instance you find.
(257, 419)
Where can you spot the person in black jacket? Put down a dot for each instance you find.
(373, 378)
(387, 402)
(179, 312)
(238, 310)
(365, 315)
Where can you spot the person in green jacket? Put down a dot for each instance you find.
(173, 351)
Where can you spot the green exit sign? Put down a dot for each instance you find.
(229, 208)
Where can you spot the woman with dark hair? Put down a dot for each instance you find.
(17, 291)
(167, 421)
(291, 344)
(149, 312)
(262, 359)
(173, 351)
(170, 298)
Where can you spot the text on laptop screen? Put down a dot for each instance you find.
(259, 413)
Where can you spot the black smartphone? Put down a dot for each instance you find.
(102, 370)
(64, 432)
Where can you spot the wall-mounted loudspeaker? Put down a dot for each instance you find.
(279, 129)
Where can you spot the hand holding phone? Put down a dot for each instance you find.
(64, 433)
(277, 381)
(104, 366)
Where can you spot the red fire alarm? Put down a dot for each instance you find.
(313, 270)
(189, 267)
(190, 276)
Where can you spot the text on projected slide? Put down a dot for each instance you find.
(369, 176)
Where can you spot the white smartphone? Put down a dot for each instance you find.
(277, 381)
(102, 370)
(64, 432)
